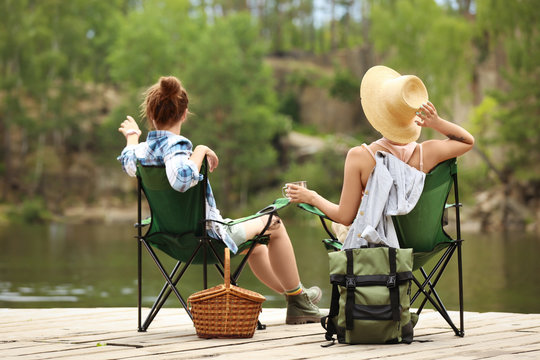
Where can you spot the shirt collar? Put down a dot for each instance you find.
(155, 134)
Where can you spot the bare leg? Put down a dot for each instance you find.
(260, 265)
(276, 265)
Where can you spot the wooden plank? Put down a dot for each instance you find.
(76, 333)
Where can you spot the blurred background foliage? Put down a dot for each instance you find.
(70, 71)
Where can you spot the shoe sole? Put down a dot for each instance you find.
(298, 320)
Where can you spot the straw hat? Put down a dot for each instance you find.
(390, 101)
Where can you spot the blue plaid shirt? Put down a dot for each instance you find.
(165, 148)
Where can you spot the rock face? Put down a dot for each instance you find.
(302, 75)
(329, 114)
(511, 207)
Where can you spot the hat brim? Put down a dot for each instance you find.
(371, 97)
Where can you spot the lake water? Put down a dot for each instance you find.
(61, 265)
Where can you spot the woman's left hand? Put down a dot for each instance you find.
(212, 159)
(427, 113)
(299, 194)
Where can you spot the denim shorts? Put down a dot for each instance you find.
(237, 233)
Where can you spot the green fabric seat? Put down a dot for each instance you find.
(422, 228)
(423, 231)
(177, 228)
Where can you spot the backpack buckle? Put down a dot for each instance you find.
(350, 282)
(391, 282)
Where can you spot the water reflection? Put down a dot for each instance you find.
(92, 266)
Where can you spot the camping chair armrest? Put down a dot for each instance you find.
(322, 216)
(144, 222)
(332, 244)
(314, 210)
(270, 209)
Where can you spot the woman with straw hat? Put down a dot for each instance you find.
(396, 106)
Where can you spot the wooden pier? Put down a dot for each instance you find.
(110, 333)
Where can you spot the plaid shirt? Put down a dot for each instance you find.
(165, 148)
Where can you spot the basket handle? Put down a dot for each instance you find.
(227, 268)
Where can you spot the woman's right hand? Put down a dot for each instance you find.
(299, 194)
(129, 127)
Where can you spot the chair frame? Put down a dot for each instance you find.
(426, 284)
(206, 244)
(436, 272)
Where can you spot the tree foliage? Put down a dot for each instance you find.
(221, 66)
(49, 59)
(430, 43)
(234, 104)
(513, 123)
(71, 70)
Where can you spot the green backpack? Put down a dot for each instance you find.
(371, 290)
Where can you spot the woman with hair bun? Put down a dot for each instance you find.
(166, 107)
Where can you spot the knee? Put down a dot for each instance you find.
(276, 223)
(258, 250)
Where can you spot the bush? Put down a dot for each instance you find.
(31, 211)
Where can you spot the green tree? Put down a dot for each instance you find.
(152, 41)
(432, 43)
(512, 29)
(45, 57)
(13, 36)
(221, 66)
(235, 106)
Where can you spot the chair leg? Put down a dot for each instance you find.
(173, 278)
(431, 286)
(161, 298)
(444, 257)
(205, 264)
(243, 263)
(460, 281)
(219, 266)
(460, 264)
(440, 310)
(139, 254)
(170, 285)
(437, 271)
(437, 302)
(139, 286)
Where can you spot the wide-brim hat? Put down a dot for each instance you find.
(390, 102)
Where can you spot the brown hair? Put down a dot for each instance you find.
(165, 102)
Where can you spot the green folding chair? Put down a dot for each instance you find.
(177, 227)
(422, 230)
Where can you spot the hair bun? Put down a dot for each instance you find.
(170, 86)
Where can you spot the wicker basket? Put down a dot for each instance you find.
(225, 311)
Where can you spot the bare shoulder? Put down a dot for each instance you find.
(360, 161)
(436, 151)
(355, 151)
(359, 154)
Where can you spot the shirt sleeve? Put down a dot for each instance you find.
(128, 160)
(181, 172)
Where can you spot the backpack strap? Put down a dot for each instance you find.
(327, 322)
(392, 285)
(350, 282)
